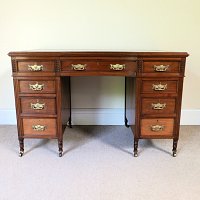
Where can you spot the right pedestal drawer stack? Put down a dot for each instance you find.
(159, 85)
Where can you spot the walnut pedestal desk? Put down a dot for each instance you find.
(153, 91)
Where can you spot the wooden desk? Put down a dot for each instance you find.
(154, 82)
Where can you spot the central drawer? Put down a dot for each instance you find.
(39, 127)
(83, 66)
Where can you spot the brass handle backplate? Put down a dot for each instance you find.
(38, 127)
(79, 67)
(37, 106)
(159, 87)
(36, 86)
(35, 68)
(117, 67)
(158, 106)
(157, 128)
(160, 68)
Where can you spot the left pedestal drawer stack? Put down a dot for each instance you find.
(36, 95)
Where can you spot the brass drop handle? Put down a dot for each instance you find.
(160, 68)
(39, 127)
(37, 106)
(117, 67)
(159, 87)
(157, 128)
(36, 86)
(79, 67)
(35, 68)
(158, 106)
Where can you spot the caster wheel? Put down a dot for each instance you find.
(135, 154)
(21, 153)
(60, 154)
(174, 154)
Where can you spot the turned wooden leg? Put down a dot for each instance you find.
(135, 151)
(174, 150)
(21, 145)
(60, 147)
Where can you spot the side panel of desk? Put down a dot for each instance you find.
(159, 84)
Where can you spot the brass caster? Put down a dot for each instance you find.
(174, 154)
(60, 154)
(21, 153)
(135, 154)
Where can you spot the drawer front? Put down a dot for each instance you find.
(37, 86)
(161, 67)
(159, 86)
(78, 65)
(38, 106)
(115, 66)
(158, 106)
(36, 66)
(157, 127)
(111, 66)
(39, 127)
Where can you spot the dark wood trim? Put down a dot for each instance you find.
(96, 54)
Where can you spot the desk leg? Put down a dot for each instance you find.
(129, 117)
(60, 147)
(174, 150)
(21, 145)
(135, 151)
(70, 104)
(125, 117)
(61, 96)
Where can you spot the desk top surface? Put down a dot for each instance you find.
(95, 53)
